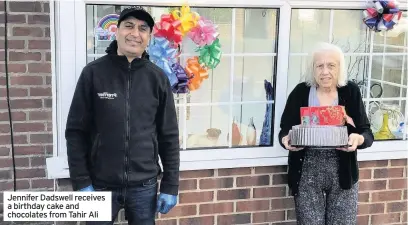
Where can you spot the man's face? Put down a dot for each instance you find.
(133, 36)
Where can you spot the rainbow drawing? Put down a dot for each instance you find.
(109, 22)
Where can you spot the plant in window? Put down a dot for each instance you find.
(165, 47)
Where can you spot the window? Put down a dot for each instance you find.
(263, 42)
(377, 62)
(232, 108)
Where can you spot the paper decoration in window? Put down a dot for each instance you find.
(165, 47)
(106, 28)
(382, 15)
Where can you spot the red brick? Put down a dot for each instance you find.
(39, 44)
(16, 116)
(48, 103)
(385, 218)
(13, 44)
(233, 194)
(30, 173)
(214, 208)
(291, 214)
(234, 219)
(373, 185)
(29, 127)
(257, 205)
(197, 220)
(271, 216)
(234, 171)
(282, 203)
(371, 208)
(192, 197)
(14, 92)
(26, 103)
(187, 184)
(41, 115)
(42, 183)
(196, 174)
(39, 67)
(29, 150)
(269, 192)
(28, 31)
(404, 217)
(38, 19)
(213, 183)
(46, 7)
(8, 185)
(399, 162)
(365, 174)
(363, 197)
(388, 172)
(37, 161)
(24, 56)
(13, 68)
(181, 210)
(4, 128)
(397, 183)
(26, 80)
(39, 91)
(19, 162)
(48, 58)
(13, 19)
(166, 222)
(379, 163)
(384, 196)
(48, 80)
(397, 207)
(271, 169)
(18, 139)
(279, 179)
(25, 6)
(363, 220)
(40, 138)
(4, 151)
(253, 181)
(6, 174)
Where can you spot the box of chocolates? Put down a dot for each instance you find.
(323, 115)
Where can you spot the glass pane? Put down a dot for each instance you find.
(387, 119)
(249, 80)
(252, 125)
(393, 40)
(298, 66)
(222, 17)
(389, 69)
(207, 126)
(308, 27)
(349, 33)
(216, 87)
(255, 30)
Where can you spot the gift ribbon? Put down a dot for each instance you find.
(181, 86)
(187, 18)
(204, 33)
(168, 28)
(196, 73)
(210, 55)
(382, 15)
(163, 55)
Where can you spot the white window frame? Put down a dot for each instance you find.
(68, 29)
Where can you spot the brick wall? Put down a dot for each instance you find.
(30, 82)
(226, 196)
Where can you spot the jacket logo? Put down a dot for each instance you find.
(106, 95)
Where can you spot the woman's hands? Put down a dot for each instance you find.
(354, 141)
(286, 143)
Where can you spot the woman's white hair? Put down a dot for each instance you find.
(322, 47)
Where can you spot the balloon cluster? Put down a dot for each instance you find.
(164, 48)
(382, 15)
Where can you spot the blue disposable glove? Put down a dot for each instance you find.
(89, 188)
(165, 203)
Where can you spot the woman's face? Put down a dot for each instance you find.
(326, 69)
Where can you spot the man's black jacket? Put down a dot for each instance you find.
(122, 117)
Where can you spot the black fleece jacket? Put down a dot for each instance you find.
(121, 119)
(350, 97)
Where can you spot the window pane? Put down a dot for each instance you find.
(249, 78)
(207, 126)
(255, 30)
(251, 125)
(393, 40)
(308, 26)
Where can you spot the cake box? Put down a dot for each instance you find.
(323, 115)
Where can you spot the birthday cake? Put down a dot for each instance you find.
(319, 136)
(321, 127)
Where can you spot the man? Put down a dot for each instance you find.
(122, 118)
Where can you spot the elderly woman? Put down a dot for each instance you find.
(324, 182)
